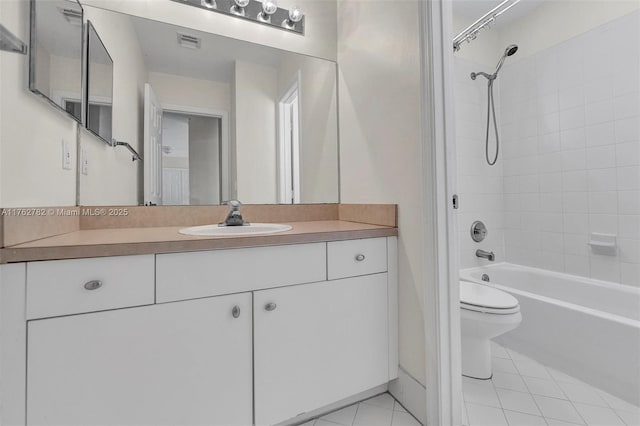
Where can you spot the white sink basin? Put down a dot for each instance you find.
(222, 231)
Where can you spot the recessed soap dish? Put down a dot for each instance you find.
(603, 244)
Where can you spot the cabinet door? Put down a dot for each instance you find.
(316, 344)
(185, 363)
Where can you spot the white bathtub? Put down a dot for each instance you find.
(586, 328)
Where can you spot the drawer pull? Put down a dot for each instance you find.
(270, 307)
(235, 311)
(360, 257)
(93, 285)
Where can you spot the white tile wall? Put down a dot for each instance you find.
(480, 187)
(570, 161)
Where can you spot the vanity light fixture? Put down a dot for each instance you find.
(209, 4)
(265, 12)
(238, 7)
(295, 16)
(269, 7)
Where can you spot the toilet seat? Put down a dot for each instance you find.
(482, 298)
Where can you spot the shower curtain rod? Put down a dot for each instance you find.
(471, 32)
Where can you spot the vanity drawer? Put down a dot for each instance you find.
(356, 257)
(63, 287)
(181, 276)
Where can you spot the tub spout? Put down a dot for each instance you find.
(486, 255)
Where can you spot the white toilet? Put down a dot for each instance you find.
(485, 313)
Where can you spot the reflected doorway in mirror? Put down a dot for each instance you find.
(289, 145)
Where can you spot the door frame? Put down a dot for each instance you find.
(442, 297)
(294, 86)
(225, 155)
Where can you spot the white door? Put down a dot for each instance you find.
(183, 363)
(319, 343)
(175, 186)
(152, 148)
(289, 146)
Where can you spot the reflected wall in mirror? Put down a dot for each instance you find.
(55, 58)
(223, 118)
(99, 86)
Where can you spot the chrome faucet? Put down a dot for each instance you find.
(486, 255)
(234, 218)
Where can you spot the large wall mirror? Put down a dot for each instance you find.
(99, 86)
(55, 69)
(222, 118)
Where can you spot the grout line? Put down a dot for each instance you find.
(565, 394)
(355, 416)
(618, 416)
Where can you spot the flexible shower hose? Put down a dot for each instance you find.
(491, 110)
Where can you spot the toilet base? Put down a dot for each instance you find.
(476, 358)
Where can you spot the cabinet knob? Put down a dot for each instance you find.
(93, 285)
(270, 307)
(235, 311)
(359, 257)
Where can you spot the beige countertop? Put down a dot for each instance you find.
(151, 240)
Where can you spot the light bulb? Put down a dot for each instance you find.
(269, 7)
(295, 15)
(238, 7)
(209, 4)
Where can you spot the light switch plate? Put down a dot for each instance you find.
(66, 155)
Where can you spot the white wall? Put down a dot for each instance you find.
(318, 125)
(571, 119)
(42, 72)
(191, 92)
(65, 76)
(320, 33)
(256, 88)
(380, 158)
(113, 178)
(204, 160)
(31, 130)
(556, 21)
(175, 133)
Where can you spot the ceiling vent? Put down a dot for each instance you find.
(190, 42)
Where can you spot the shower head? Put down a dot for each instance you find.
(509, 51)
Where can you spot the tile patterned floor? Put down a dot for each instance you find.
(524, 392)
(381, 410)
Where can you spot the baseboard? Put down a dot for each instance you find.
(411, 394)
(302, 418)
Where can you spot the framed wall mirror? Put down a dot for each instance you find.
(99, 86)
(220, 118)
(55, 57)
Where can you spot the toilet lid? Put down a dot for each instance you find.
(480, 295)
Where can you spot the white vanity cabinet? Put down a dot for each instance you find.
(243, 336)
(183, 363)
(318, 343)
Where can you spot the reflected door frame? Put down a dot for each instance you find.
(225, 156)
(289, 154)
